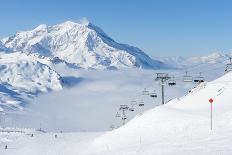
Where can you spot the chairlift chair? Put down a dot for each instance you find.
(117, 115)
(172, 82)
(187, 78)
(145, 92)
(124, 117)
(133, 103)
(199, 78)
(141, 104)
(153, 94)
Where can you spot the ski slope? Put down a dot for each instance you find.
(182, 126)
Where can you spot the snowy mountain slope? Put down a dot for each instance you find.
(30, 76)
(81, 44)
(180, 127)
(11, 99)
(21, 78)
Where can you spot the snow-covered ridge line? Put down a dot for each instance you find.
(213, 58)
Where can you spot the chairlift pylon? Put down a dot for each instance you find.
(229, 66)
(123, 107)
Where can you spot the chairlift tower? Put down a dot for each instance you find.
(2, 113)
(163, 77)
(229, 66)
(124, 108)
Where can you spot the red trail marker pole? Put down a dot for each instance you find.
(211, 113)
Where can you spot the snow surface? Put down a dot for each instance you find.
(182, 126)
(22, 77)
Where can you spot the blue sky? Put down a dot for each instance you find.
(159, 27)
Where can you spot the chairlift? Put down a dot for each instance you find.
(229, 66)
(141, 103)
(153, 94)
(145, 92)
(124, 117)
(199, 78)
(131, 109)
(187, 78)
(117, 115)
(172, 82)
(133, 103)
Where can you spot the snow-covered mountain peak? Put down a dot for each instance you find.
(84, 21)
(70, 23)
(66, 26)
(81, 44)
(42, 27)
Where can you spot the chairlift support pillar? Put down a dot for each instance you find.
(124, 108)
(2, 113)
(229, 66)
(163, 77)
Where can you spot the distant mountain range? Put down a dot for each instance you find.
(180, 62)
